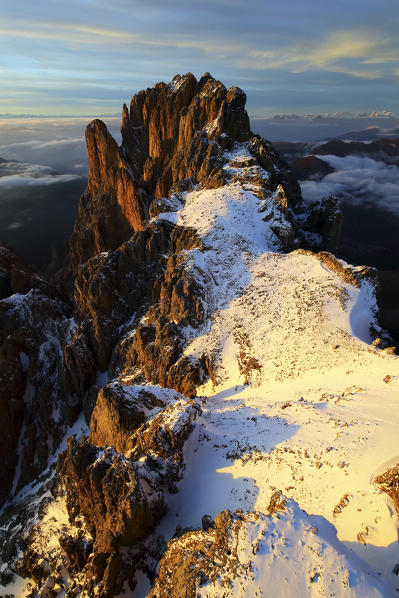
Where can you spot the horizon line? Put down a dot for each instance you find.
(373, 114)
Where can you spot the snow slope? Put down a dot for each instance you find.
(301, 404)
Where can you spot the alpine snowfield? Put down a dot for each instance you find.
(301, 401)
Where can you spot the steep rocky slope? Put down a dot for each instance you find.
(38, 401)
(219, 354)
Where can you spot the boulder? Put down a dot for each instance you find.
(105, 488)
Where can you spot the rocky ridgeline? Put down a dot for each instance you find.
(136, 304)
(173, 139)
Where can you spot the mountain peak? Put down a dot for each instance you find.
(168, 136)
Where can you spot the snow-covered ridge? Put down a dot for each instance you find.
(304, 401)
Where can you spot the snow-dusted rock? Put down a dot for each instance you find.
(126, 417)
(106, 489)
(284, 553)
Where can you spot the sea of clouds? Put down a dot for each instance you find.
(15, 174)
(357, 181)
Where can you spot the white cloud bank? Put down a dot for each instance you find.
(19, 174)
(13, 181)
(358, 181)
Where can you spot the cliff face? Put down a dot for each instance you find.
(38, 401)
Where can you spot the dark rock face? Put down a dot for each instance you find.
(325, 219)
(145, 277)
(77, 551)
(37, 403)
(110, 287)
(156, 346)
(17, 277)
(280, 173)
(106, 488)
(80, 363)
(169, 135)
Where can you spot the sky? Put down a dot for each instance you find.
(86, 57)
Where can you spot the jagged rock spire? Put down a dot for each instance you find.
(172, 133)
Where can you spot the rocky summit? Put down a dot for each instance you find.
(203, 402)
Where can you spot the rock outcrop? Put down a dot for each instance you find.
(111, 287)
(169, 136)
(389, 483)
(248, 553)
(18, 277)
(124, 416)
(112, 486)
(325, 221)
(107, 489)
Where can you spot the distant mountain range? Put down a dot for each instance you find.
(301, 156)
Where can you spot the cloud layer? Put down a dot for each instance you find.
(18, 174)
(358, 181)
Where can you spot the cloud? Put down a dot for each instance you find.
(349, 52)
(84, 35)
(330, 53)
(18, 174)
(14, 180)
(36, 144)
(67, 32)
(357, 181)
(38, 208)
(11, 168)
